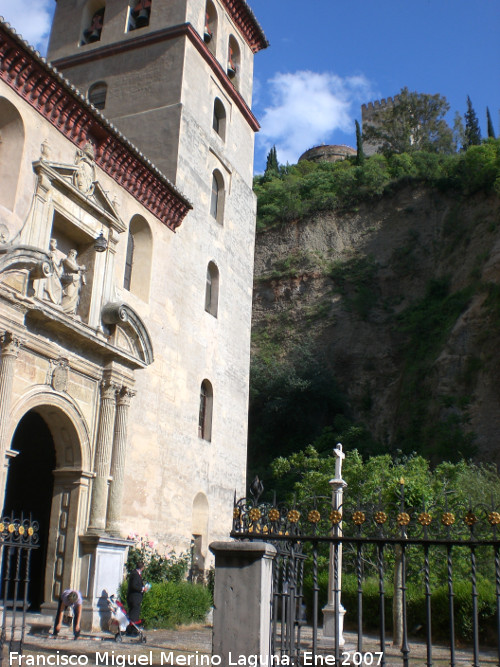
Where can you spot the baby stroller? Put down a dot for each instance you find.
(120, 621)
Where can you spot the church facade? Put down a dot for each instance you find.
(127, 224)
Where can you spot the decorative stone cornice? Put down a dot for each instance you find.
(184, 30)
(244, 18)
(62, 105)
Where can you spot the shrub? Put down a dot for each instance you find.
(172, 603)
(158, 567)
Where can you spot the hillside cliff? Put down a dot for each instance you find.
(398, 302)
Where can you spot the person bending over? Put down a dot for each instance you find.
(69, 598)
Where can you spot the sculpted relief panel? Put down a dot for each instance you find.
(64, 286)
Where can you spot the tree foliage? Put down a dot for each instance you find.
(272, 165)
(377, 479)
(360, 156)
(491, 131)
(472, 130)
(414, 122)
(306, 188)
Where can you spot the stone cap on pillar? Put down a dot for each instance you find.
(251, 550)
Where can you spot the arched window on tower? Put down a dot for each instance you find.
(212, 289)
(97, 94)
(93, 21)
(137, 274)
(210, 28)
(205, 415)
(140, 13)
(219, 119)
(217, 197)
(233, 61)
(11, 152)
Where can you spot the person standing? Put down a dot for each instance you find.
(135, 593)
(69, 598)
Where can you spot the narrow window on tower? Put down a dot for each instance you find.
(97, 94)
(219, 119)
(129, 261)
(137, 273)
(205, 415)
(210, 28)
(217, 197)
(140, 12)
(212, 289)
(93, 23)
(233, 61)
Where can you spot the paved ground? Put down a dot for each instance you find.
(192, 646)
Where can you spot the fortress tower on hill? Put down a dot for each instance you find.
(370, 115)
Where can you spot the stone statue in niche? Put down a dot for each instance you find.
(84, 176)
(53, 287)
(72, 280)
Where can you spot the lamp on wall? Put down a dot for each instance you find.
(100, 244)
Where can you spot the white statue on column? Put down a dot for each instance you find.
(334, 607)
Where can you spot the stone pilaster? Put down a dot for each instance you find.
(97, 520)
(118, 461)
(10, 345)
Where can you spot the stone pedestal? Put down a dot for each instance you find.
(106, 558)
(242, 601)
(328, 638)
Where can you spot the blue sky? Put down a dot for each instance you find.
(327, 57)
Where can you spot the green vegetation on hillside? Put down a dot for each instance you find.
(306, 188)
(296, 374)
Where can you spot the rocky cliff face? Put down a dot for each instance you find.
(401, 298)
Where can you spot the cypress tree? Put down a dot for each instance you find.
(472, 131)
(360, 156)
(272, 164)
(491, 131)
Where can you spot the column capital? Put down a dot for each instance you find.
(124, 396)
(109, 389)
(10, 343)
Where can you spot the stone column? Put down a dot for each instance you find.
(242, 602)
(10, 345)
(97, 521)
(118, 461)
(334, 612)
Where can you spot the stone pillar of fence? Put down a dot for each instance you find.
(242, 601)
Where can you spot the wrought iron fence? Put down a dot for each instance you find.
(452, 553)
(18, 538)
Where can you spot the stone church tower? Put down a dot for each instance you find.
(125, 368)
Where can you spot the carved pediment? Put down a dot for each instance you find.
(127, 331)
(78, 183)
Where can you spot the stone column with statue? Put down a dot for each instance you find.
(334, 612)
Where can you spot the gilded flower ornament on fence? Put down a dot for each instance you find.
(335, 517)
(448, 519)
(424, 519)
(274, 514)
(293, 516)
(254, 514)
(359, 517)
(494, 518)
(403, 519)
(314, 516)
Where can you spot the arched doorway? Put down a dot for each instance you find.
(29, 490)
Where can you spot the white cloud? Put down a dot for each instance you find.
(31, 19)
(306, 108)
